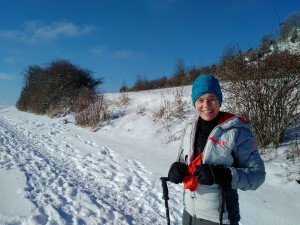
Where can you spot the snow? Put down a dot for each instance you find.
(56, 173)
(11, 190)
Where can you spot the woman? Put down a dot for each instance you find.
(217, 156)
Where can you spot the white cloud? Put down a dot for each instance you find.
(36, 31)
(9, 61)
(103, 51)
(98, 50)
(6, 76)
(123, 53)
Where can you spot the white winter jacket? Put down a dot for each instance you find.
(232, 144)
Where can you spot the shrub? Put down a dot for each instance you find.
(171, 109)
(179, 104)
(94, 115)
(266, 92)
(55, 88)
(124, 99)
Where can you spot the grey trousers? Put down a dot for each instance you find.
(187, 219)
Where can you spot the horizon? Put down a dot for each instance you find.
(121, 40)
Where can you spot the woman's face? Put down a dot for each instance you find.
(207, 106)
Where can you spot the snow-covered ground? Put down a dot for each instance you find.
(55, 173)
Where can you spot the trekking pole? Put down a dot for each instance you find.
(165, 196)
(221, 205)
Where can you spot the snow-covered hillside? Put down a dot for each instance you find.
(292, 47)
(54, 172)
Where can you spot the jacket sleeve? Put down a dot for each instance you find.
(248, 172)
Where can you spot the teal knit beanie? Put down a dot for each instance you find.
(206, 83)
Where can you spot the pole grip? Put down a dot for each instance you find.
(165, 187)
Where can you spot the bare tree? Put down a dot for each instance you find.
(179, 78)
(266, 92)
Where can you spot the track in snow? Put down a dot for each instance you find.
(71, 188)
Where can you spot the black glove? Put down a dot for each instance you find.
(177, 172)
(209, 174)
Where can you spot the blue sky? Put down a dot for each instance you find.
(120, 40)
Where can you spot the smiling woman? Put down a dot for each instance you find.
(217, 156)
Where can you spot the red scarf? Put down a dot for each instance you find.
(190, 181)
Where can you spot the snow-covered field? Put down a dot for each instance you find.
(55, 173)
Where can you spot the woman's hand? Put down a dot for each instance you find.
(209, 174)
(177, 172)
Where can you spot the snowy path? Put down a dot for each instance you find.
(53, 173)
(68, 187)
